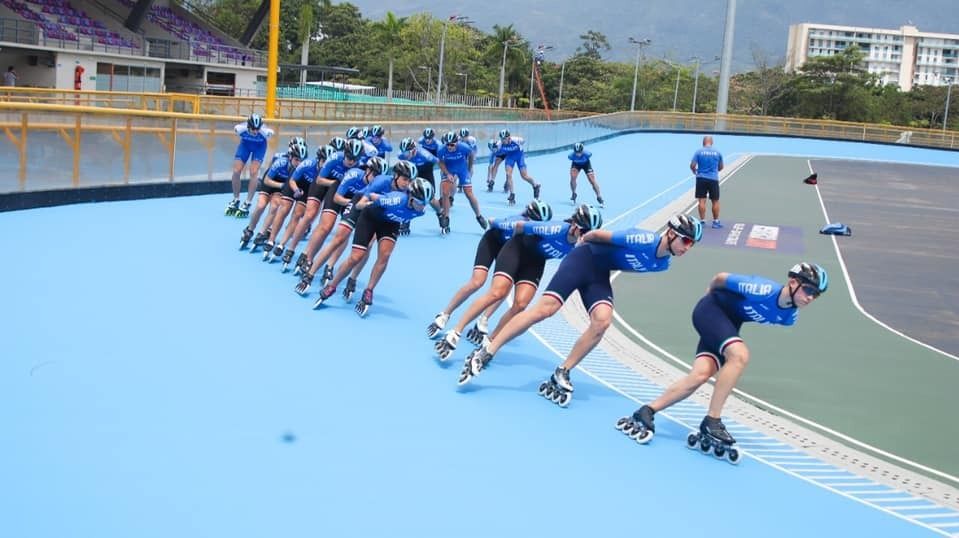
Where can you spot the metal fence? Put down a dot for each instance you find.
(50, 146)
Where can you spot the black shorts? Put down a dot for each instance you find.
(707, 186)
(328, 202)
(426, 172)
(287, 192)
(579, 271)
(585, 167)
(489, 247)
(317, 192)
(717, 329)
(373, 224)
(269, 191)
(520, 261)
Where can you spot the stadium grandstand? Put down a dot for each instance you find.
(126, 45)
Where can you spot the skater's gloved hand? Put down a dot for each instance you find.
(297, 193)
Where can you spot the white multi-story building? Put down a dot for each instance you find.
(905, 57)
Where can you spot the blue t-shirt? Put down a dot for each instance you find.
(308, 170)
(632, 250)
(513, 146)
(579, 158)
(420, 157)
(382, 148)
(380, 185)
(755, 298)
(354, 181)
(551, 237)
(430, 145)
(281, 169)
(456, 160)
(335, 168)
(506, 226)
(395, 207)
(708, 161)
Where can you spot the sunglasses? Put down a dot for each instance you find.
(810, 291)
(687, 241)
(451, 145)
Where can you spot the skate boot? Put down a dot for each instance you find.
(287, 259)
(232, 208)
(244, 211)
(511, 200)
(489, 185)
(325, 294)
(505, 187)
(259, 240)
(536, 189)
(300, 262)
(558, 388)
(475, 363)
(444, 225)
(365, 302)
(304, 286)
(482, 221)
(327, 275)
(277, 252)
(572, 199)
(405, 228)
(478, 331)
(602, 204)
(350, 289)
(268, 251)
(712, 436)
(639, 426)
(245, 239)
(437, 325)
(447, 345)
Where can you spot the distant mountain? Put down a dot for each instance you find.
(678, 29)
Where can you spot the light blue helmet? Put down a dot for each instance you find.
(687, 226)
(325, 153)
(298, 151)
(405, 168)
(338, 143)
(407, 144)
(377, 130)
(579, 147)
(811, 274)
(492, 144)
(588, 218)
(538, 210)
(504, 134)
(421, 191)
(450, 138)
(464, 132)
(377, 165)
(254, 122)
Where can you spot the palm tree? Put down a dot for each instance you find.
(512, 44)
(388, 31)
(306, 27)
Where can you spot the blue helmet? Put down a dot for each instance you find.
(538, 210)
(811, 274)
(504, 134)
(354, 149)
(464, 132)
(377, 130)
(298, 151)
(297, 140)
(429, 133)
(687, 226)
(587, 218)
(405, 168)
(377, 165)
(364, 132)
(450, 138)
(254, 122)
(338, 143)
(325, 153)
(352, 133)
(421, 191)
(407, 144)
(579, 147)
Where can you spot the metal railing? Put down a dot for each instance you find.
(49, 146)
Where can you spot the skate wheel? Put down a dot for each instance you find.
(692, 440)
(732, 456)
(704, 445)
(644, 436)
(563, 399)
(543, 388)
(622, 424)
(719, 451)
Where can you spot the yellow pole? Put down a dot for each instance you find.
(273, 58)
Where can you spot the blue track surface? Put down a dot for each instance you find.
(157, 382)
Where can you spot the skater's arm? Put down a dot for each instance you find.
(597, 236)
(718, 282)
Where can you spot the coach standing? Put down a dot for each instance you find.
(706, 165)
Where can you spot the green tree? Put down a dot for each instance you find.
(389, 32)
(594, 43)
